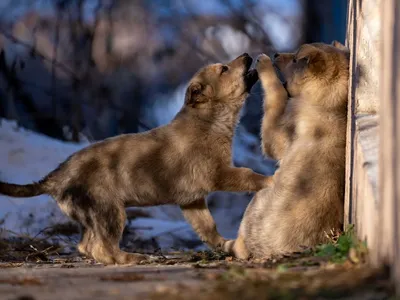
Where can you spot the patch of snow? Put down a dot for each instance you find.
(247, 153)
(167, 106)
(25, 157)
(164, 232)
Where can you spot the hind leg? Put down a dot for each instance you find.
(102, 225)
(108, 224)
(241, 247)
(80, 216)
(84, 246)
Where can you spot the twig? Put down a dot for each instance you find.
(53, 69)
(26, 45)
(20, 235)
(37, 252)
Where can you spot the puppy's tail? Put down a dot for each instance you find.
(24, 190)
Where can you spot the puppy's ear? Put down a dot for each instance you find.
(315, 62)
(341, 47)
(196, 94)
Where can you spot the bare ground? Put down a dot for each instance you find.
(203, 275)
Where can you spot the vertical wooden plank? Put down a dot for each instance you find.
(376, 218)
(389, 160)
(351, 44)
(396, 101)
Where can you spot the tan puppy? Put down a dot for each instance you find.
(178, 163)
(307, 134)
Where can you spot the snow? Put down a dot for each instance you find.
(164, 231)
(165, 107)
(25, 157)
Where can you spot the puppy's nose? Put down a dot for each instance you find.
(276, 55)
(245, 55)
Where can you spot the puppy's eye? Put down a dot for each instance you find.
(224, 69)
(196, 92)
(294, 60)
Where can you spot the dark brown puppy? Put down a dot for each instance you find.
(306, 132)
(179, 163)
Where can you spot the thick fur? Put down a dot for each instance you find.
(306, 132)
(179, 163)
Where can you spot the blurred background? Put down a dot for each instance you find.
(78, 71)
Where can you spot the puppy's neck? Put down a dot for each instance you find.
(314, 115)
(330, 99)
(220, 122)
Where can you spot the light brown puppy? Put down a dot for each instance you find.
(306, 132)
(179, 163)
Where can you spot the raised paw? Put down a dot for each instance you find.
(263, 61)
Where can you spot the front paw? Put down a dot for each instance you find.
(268, 181)
(263, 63)
(220, 245)
(227, 247)
(265, 182)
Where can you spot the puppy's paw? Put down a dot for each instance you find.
(228, 246)
(268, 181)
(217, 244)
(124, 258)
(264, 182)
(263, 62)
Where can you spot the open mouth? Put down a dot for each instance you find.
(248, 62)
(250, 78)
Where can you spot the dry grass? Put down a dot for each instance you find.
(21, 248)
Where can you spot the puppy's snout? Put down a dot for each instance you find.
(241, 61)
(246, 58)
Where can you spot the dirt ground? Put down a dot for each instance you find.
(202, 275)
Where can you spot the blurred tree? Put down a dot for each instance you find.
(99, 66)
(324, 20)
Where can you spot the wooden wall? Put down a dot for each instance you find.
(389, 159)
(372, 200)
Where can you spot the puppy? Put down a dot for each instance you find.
(179, 163)
(304, 128)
